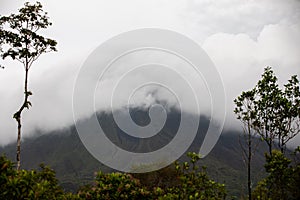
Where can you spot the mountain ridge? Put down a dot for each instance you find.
(63, 151)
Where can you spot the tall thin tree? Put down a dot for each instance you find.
(245, 110)
(19, 40)
(270, 112)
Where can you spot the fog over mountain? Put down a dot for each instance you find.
(75, 166)
(240, 37)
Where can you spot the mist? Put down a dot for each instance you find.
(240, 37)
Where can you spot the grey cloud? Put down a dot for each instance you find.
(241, 37)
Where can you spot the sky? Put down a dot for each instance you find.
(240, 36)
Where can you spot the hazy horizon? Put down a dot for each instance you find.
(240, 37)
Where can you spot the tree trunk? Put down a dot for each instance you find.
(18, 116)
(249, 164)
(270, 148)
(19, 145)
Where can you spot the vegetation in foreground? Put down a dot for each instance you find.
(189, 182)
(266, 111)
(184, 180)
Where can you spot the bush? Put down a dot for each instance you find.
(188, 182)
(114, 186)
(25, 184)
(194, 182)
(282, 181)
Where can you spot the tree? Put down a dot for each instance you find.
(278, 111)
(283, 179)
(194, 182)
(274, 113)
(20, 41)
(245, 112)
(289, 119)
(270, 112)
(266, 107)
(277, 116)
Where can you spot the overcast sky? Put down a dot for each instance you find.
(240, 36)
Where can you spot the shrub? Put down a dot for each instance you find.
(194, 182)
(282, 181)
(29, 184)
(190, 182)
(114, 186)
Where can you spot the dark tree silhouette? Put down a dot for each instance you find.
(270, 112)
(19, 40)
(244, 110)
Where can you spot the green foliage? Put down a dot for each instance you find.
(163, 178)
(282, 181)
(6, 171)
(246, 111)
(18, 34)
(114, 186)
(191, 183)
(270, 111)
(25, 184)
(274, 114)
(19, 40)
(194, 182)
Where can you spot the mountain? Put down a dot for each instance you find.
(75, 166)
